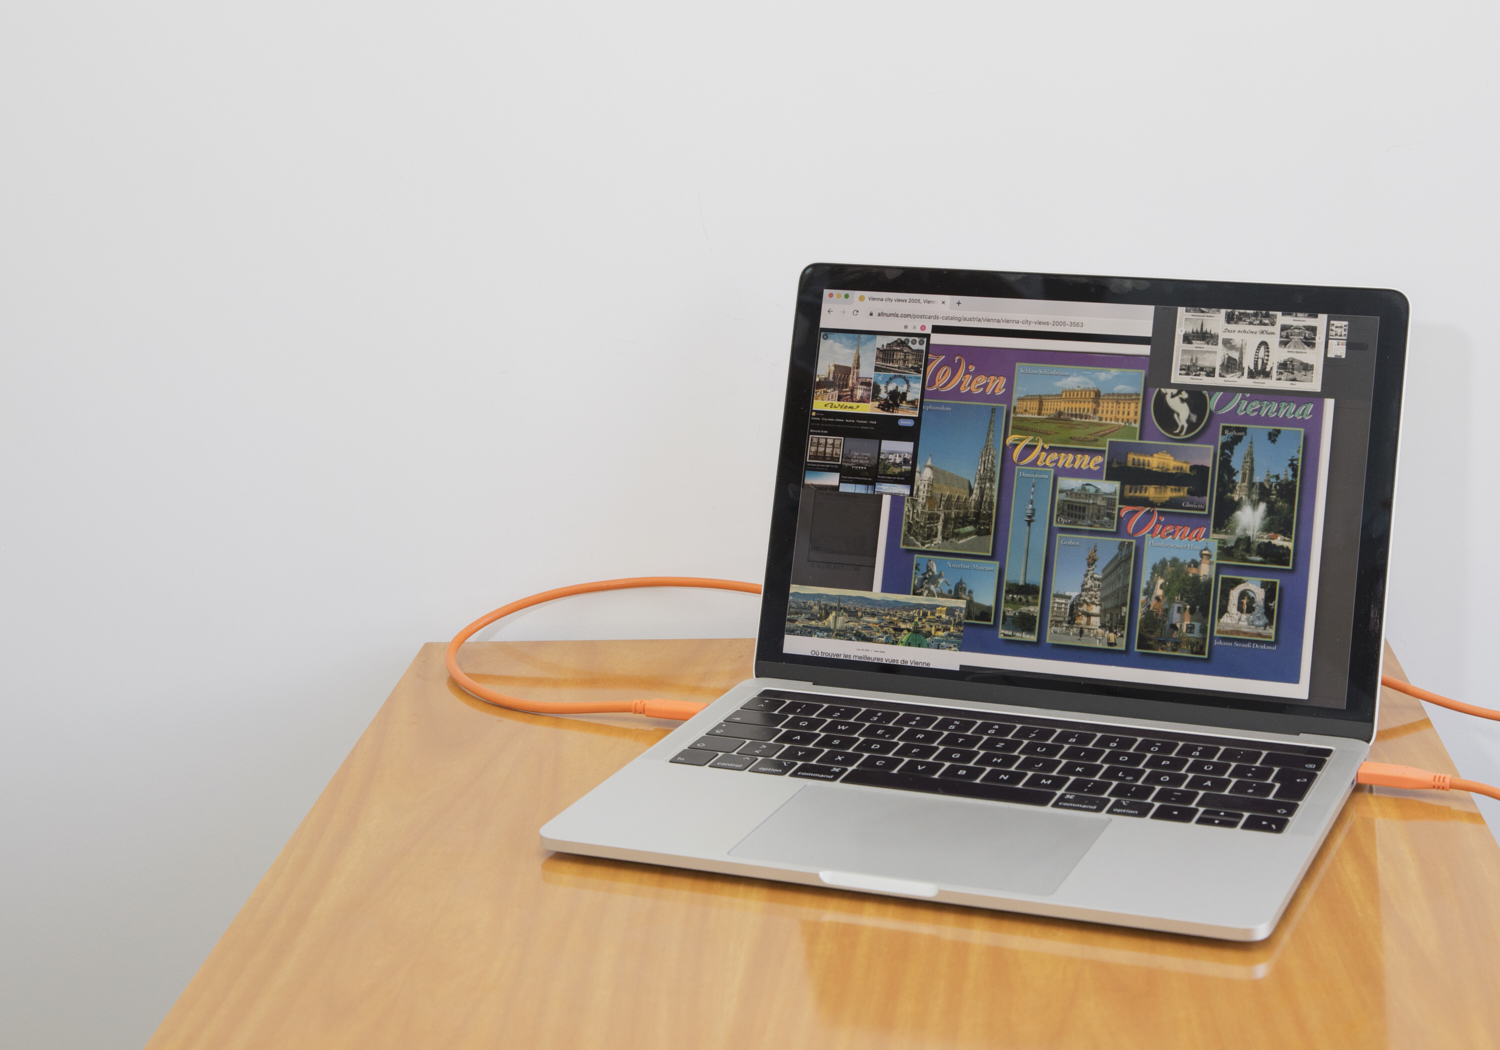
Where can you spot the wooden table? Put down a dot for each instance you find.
(414, 907)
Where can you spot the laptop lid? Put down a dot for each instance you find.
(1154, 498)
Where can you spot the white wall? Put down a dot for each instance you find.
(327, 327)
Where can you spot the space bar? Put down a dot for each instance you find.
(934, 786)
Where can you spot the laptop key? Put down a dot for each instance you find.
(1253, 788)
(1208, 784)
(1116, 743)
(837, 741)
(959, 755)
(1122, 775)
(1175, 796)
(1179, 814)
(1161, 778)
(692, 757)
(1091, 803)
(840, 714)
(922, 736)
(1243, 772)
(1197, 751)
(1124, 758)
(962, 773)
(843, 727)
(1266, 807)
(1238, 754)
(994, 729)
(1033, 747)
(1209, 769)
(762, 703)
(1073, 738)
(801, 707)
(1080, 769)
(801, 754)
(841, 758)
(756, 718)
(1004, 746)
(1034, 733)
(882, 763)
(1291, 792)
(720, 743)
(814, 772)
(1139, 792)
(1166, 762)
(1005, 776)
(1301, 777)
(734, 762)
(1084, 754)
(1038, 764)
(760, 749)
(955, 725)
(1256, 822)
(744, 732)
(773, 766)
(1156, 747)
(878, 717)
(1309, 762)
(915, 721)
(1218, 818)
(961, 740)
(876, 747)
(802, 722)
(1126, 807)
(1047, 781)
(915, 750)
(995, 760)
(800, 737)
(918, 768)
(1090, 787)
(879, 732)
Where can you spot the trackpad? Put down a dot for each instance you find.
(948, 841)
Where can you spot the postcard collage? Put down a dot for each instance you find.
(1049, 504)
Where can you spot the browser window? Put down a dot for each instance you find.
(1132, 493)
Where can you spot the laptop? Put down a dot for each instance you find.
(1072, 604)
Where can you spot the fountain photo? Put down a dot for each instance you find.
(1255, 495)
(1246, 608)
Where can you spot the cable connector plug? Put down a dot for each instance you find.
(675, 710)
(1385, 775)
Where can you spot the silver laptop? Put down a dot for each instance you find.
(1072, 606)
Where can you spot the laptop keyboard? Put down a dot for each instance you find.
(1121, 770)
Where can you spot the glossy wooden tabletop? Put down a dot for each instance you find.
(415, 907)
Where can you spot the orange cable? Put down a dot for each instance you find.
(678, 710)
(1434, 698)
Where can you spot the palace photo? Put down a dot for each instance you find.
(896, 394)
(1026, 554)
(1299, 337)
(1162, 475)
(952, 503)
(1077, 407)
(846, 371)
(901, 354)
(1090, 600)
(1246, 608)
(971, 582)
(882, 619)
(1255, 495)
(1177, 587)
(1086, 503)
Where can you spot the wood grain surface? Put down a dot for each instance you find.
(415, 907)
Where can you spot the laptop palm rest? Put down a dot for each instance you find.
(947, 841)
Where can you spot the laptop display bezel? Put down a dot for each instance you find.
(1227, 709)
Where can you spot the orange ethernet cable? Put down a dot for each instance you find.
(1374, 773)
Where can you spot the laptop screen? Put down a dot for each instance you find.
(1159, 495)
